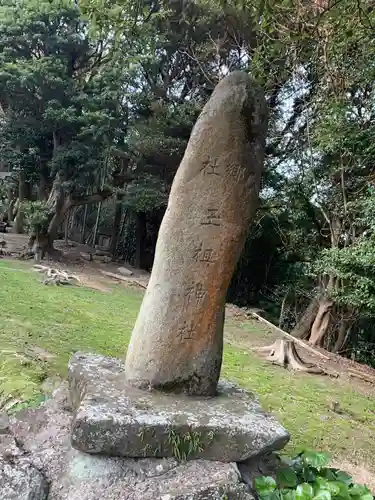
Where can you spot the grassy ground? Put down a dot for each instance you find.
(51, 322)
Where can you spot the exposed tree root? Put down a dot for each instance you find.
(283, 352)
(55, 276)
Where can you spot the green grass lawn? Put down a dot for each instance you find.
(61, 320)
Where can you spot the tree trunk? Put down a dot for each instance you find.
(97, 223)
(41, 240)
(42, 188)
(343, 334)
(321, 322)
(116, 225)
(84, 224)
(58, 204)
(39, 245)
(303, 327)
(11, 202)
(66, 229)
(140, 237)
(20, 217)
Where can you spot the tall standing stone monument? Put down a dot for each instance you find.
(166, 400)
(177, 341)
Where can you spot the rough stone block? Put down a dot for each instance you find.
(74, 475)
(114, 419)
(21, 481)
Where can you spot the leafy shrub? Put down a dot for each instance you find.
(36, 215)
(307, 477)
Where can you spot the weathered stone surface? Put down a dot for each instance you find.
(21, 481)
(177, 340)
(4, 423)
(8, 446)
(73, 475)
(120, 420)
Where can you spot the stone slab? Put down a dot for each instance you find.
(21, 481)
(118, 420)
(74, 475)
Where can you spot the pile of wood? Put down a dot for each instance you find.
(54, 276)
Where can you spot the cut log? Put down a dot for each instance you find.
(124, 271)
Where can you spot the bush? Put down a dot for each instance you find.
(36, 216)
(307, 477)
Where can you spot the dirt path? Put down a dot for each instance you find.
(90, 273)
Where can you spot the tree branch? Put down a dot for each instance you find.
(91, 198)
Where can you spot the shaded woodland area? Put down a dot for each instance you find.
(97, 103)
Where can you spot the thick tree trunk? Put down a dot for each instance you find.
(84, 224)
(321, 322)
(66, 228)
(42, 188)
(41, 240)
(20, 217)
(303, 327)
(98, 213)
(140, 237)
(116, 225)
(344, 332)
(58, 205)
(39, 245)
(55, 223)
(11, 203)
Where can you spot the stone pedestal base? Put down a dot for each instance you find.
(46, 466)
(117, 420)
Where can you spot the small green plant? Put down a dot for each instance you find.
(185, 445)
(308, 477)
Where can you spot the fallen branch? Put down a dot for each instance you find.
(55, 276)
(123, 278)
(361, 376)
(115, 276)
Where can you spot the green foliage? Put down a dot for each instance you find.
(36, 215)
(354, 264)
(308, 477)
(145, 194)
(62, 105)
